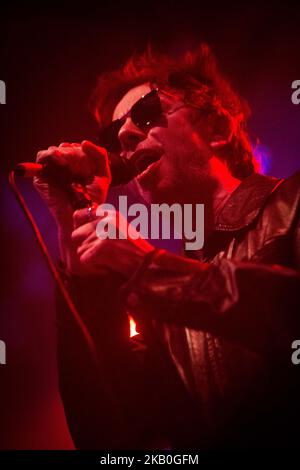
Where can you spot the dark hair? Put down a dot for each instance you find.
(197, 78)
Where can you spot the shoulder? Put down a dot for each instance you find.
(286, 195)
(290, 186)
(282, 209)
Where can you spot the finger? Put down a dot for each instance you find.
(81, 233)
(65, 144)
(99, 156)
(40, 155)
(86, 254)
(83, 216)
(69, 144)
(44, 155)
(94, 261)
(87, 244)
(90, 257)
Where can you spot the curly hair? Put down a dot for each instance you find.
(197, 78)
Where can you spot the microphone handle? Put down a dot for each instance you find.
(122, 171)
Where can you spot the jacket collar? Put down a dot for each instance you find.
(246, 201)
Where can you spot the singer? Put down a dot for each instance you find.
(211, 366)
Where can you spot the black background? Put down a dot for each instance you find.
(50, 58)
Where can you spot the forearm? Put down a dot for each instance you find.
(254, 305)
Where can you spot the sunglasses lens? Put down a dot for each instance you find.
(146, 110)
(108, 137)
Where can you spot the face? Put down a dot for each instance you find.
(172, 153)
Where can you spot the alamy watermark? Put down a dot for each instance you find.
(2, 92)
(296, 94)
(296, 354)
(159, 221)
(2, 352)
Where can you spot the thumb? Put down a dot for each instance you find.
(99, 157)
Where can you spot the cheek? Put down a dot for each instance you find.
(182, 143)
(183, 138)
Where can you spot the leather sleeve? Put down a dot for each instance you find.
(251, 304)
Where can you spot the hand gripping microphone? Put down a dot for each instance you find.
(122, 171)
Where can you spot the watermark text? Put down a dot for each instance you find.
(159, 221)
(296, 354)
(2, 352)
(2, 92)
(296, 94)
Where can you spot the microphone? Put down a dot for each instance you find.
(122, 171)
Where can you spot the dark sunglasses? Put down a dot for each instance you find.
(143, 114)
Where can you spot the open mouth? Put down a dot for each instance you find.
(143, 158)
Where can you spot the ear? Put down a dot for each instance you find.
(221, 132)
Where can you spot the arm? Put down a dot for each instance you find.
(254, 305)
(110, 406)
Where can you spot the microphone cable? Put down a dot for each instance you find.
(54, 271)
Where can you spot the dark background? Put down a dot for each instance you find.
(50, 58)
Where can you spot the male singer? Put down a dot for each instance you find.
(211, 366)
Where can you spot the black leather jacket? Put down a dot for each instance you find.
(211, 367)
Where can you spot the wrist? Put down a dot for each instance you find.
(129, 265)
(131, 282)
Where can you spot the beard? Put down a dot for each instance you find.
(179, 177)
(182, 173)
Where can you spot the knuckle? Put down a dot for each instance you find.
(41, 155)
(77, 215)
(54, 150)
(79, 251)
(74, 235)
(64, 144)
(85, 258)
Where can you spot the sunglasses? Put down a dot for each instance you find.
(143, 114)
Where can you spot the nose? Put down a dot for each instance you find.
(130, 135)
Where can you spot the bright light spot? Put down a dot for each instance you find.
(133, 331)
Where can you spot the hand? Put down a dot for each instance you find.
(97, 253)
(86, 160)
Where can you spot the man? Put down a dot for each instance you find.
(211, 367)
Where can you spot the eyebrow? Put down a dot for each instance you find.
(142, 96)
(163, 100)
